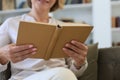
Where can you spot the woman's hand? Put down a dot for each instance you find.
(77, 51)
(16, 53)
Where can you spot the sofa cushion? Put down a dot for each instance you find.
(109, 64)
(91, 71)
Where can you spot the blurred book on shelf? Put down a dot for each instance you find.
(77, 1)
(87, 1)
(73, 1)
(7, 4)
(116, 44)
(115, 22)
(118, 21)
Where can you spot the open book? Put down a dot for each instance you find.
(51, 38)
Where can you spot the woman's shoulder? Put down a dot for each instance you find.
(12, 21)
(15, 18)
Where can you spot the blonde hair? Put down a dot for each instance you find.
(59, 4)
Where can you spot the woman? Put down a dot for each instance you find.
(21, 65)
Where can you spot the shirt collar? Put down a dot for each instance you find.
(27, 17)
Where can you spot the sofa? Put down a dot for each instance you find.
(103, 64)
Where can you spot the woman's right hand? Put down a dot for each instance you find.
(16, 53)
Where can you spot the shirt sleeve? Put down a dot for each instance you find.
(4, 36)
(77, 72)
(4, 40)
(3, 67)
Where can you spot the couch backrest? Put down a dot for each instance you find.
(109, 64)
(104, 65)
(92, 57)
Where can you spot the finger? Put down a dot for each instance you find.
(69, 52)
(79, 45)
(74, 48)
(78, 58)
(18, 59)
(25, 52)
(15, 49)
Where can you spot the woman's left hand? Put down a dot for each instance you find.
(77, 51)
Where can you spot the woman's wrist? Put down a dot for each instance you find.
(3, 61)
(78, 66)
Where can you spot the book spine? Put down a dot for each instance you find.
(114, 22)
(118, 21)
(87, 1)
(52, 43)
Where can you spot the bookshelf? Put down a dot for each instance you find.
(80, 6)
(74, 11)
(115, 8)
(85, 8)
(7, 4)
(89, 13)
(115, 12)
(85, 12)
(115, 35)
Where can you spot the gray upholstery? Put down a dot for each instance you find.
(5, 75)
(109, 64)
(91, 72)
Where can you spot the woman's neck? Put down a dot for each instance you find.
(40, 16)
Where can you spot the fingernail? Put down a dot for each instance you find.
(30, 46)
(64, 49)
(34, 49)
(73, 41)
(33, 52)
(67, 45)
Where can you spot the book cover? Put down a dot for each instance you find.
(51, 38)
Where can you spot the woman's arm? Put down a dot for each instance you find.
(78, 52)
(72, 67)
(3, 62)
(15, 53)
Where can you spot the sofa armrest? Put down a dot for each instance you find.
(91, 71)
(5, 75)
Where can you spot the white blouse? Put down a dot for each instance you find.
(8, 34)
